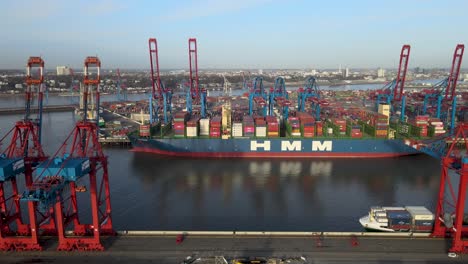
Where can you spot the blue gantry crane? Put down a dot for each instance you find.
(258, 96)
(310, 90)
(277, 93)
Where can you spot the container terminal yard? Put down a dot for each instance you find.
(40, 193)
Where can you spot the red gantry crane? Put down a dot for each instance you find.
(450, 218)
(393, 91)
(195, 95)
(23, 153)
(80, 160)
(161, 97)
(443, 94)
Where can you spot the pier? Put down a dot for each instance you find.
(316, 247)
(51, 108)
(112, 141)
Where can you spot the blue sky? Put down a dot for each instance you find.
(233, 34)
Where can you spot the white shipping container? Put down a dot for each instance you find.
(420, 213)
(381, 219)
(260, 131)
(237, 134)
(192, 132)
(389, 208)
(204, 127)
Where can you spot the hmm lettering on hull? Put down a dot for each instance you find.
(287, 145)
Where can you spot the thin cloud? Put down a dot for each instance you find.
(206, 8)
(28, 10)
(103, 7)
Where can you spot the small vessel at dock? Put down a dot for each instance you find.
(402, 219)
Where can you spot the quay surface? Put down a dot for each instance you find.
(161, 247)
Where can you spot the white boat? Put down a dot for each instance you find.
(392, 219)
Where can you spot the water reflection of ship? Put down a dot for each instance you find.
(381, 178)
(378, 177)
(212, 174)
(258, 186)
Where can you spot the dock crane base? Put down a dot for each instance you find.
(449, 214)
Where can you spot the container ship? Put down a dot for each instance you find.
(394, 219)
(300, 136)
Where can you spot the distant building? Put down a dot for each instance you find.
(464, 77)
(380, 73)
(260, 71)
(63, 70)
(346, 73)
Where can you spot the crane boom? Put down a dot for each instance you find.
(155, 76)
(194, 83)
(454, 72)
(33, 80)
(401, 76)
(91, 62)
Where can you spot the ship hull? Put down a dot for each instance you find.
(273, 148)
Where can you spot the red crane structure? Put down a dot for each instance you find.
(195, 95)
(442, 96)
(392, 92)
(193, 62)
(454, 72)
(401, 76)
(22, 154)
(450, 210)
(80, 159)
(155, 76)
(162, 97)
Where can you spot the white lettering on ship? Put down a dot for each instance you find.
(254, 145)
(288, 146)
(295, 145)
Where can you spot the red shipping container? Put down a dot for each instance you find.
(179, 126)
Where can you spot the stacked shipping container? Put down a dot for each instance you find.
(295, 126)
(179, 124)
(215, 127)
(192, 127)
(249, 127)
(273, 126)
(236, 129)
(438, 126)
(307, 124)
(422, 121)
(341, 124)
(380, 123)
(260, 127)
(204, 127)
(353, 130)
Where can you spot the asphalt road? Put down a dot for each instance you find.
(157, 249)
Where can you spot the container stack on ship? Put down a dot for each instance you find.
(268, 123)
(404, 219)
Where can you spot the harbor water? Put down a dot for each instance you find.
(151, 192)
